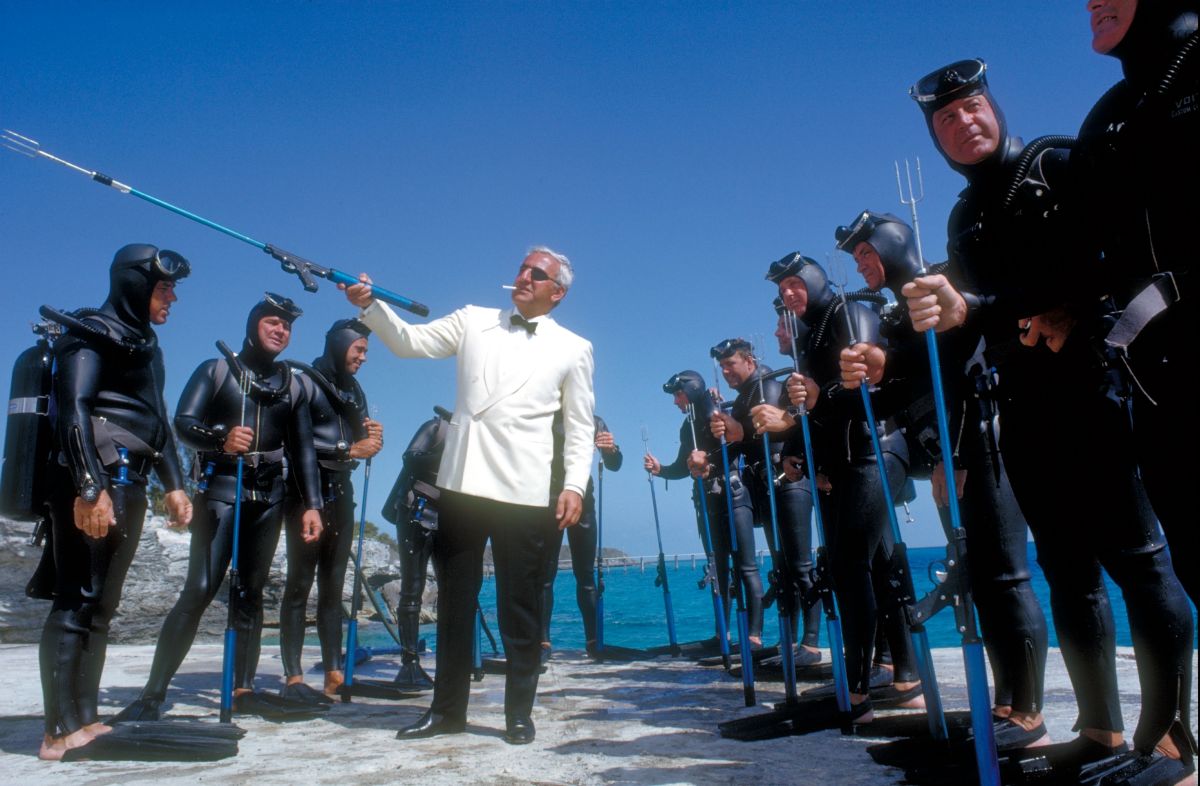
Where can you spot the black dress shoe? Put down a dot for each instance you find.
(431, 724)
(519, 732)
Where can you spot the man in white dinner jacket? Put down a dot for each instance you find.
(516, 368)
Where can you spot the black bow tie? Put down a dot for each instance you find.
(520, 321)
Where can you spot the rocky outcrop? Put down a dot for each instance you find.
(153, 585)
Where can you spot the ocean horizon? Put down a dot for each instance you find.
(634, 613)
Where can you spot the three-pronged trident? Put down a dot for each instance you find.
(972, 646)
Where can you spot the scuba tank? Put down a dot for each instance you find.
(28, 439)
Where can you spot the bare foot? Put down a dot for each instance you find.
(916, 702)
(54, 748)
(333, 681)
(97, 728)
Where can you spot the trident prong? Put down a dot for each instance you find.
(20, 144)
(912, 200)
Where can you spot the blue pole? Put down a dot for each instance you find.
(920, 639)
(722, 626)
(743, 619)
(833, 623)
(234, 588)
(782, 572)
(600, 559)
(972, 645)
(356, 601)
(661, 580)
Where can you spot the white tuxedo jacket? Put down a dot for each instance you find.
(499, 443)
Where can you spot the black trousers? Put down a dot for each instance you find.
(518, 536)
(89, 574)
(208, 558)
(325, 561)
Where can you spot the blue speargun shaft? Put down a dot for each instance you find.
(833, 623)
(305, 269)
(235, 585)
(661, 580)
(722, 627)
(735, 580)
(920, 638)
(356, 600)
(783, 577)
(600, 559)
(979, 698)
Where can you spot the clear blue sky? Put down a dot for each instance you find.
(671, 149)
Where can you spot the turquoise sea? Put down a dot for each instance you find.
(634, 611)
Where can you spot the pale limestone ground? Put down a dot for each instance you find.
(651, 722)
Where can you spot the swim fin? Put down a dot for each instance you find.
(880, 678)
(190, 727)
(735, 655)
(378, 689)
(702, 648)
(276, 708)
(142, 709)
(127, 743)
(612, 652)
(302, 692)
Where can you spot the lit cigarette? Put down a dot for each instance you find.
(507, 286)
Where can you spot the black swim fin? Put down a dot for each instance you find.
(701, 648)
(277, 708)
(126, 743)
(612, 652)
(880, 678)
(302, 692)
(412, 678)
(735, 655)
(185, 727)
(378, 689)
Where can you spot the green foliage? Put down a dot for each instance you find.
(374, 533)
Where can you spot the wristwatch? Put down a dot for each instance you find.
(90, 492)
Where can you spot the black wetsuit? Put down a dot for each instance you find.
(861, 543)
(718, 511)
(1138, 171)
(211, 405)
(793, 505)
(1012, 622)
(337, 406)
(582, 537)
(108, 394)
(1067, 447)
(412, 507)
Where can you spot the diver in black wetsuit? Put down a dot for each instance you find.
(212, 410)
(1137, 172)
(1062, 437)
(687, 388)
(342, 434)
(793, 501)
(111, 432)
(583, 538)
(412, 507)
(1014, 628)
(861, 540)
